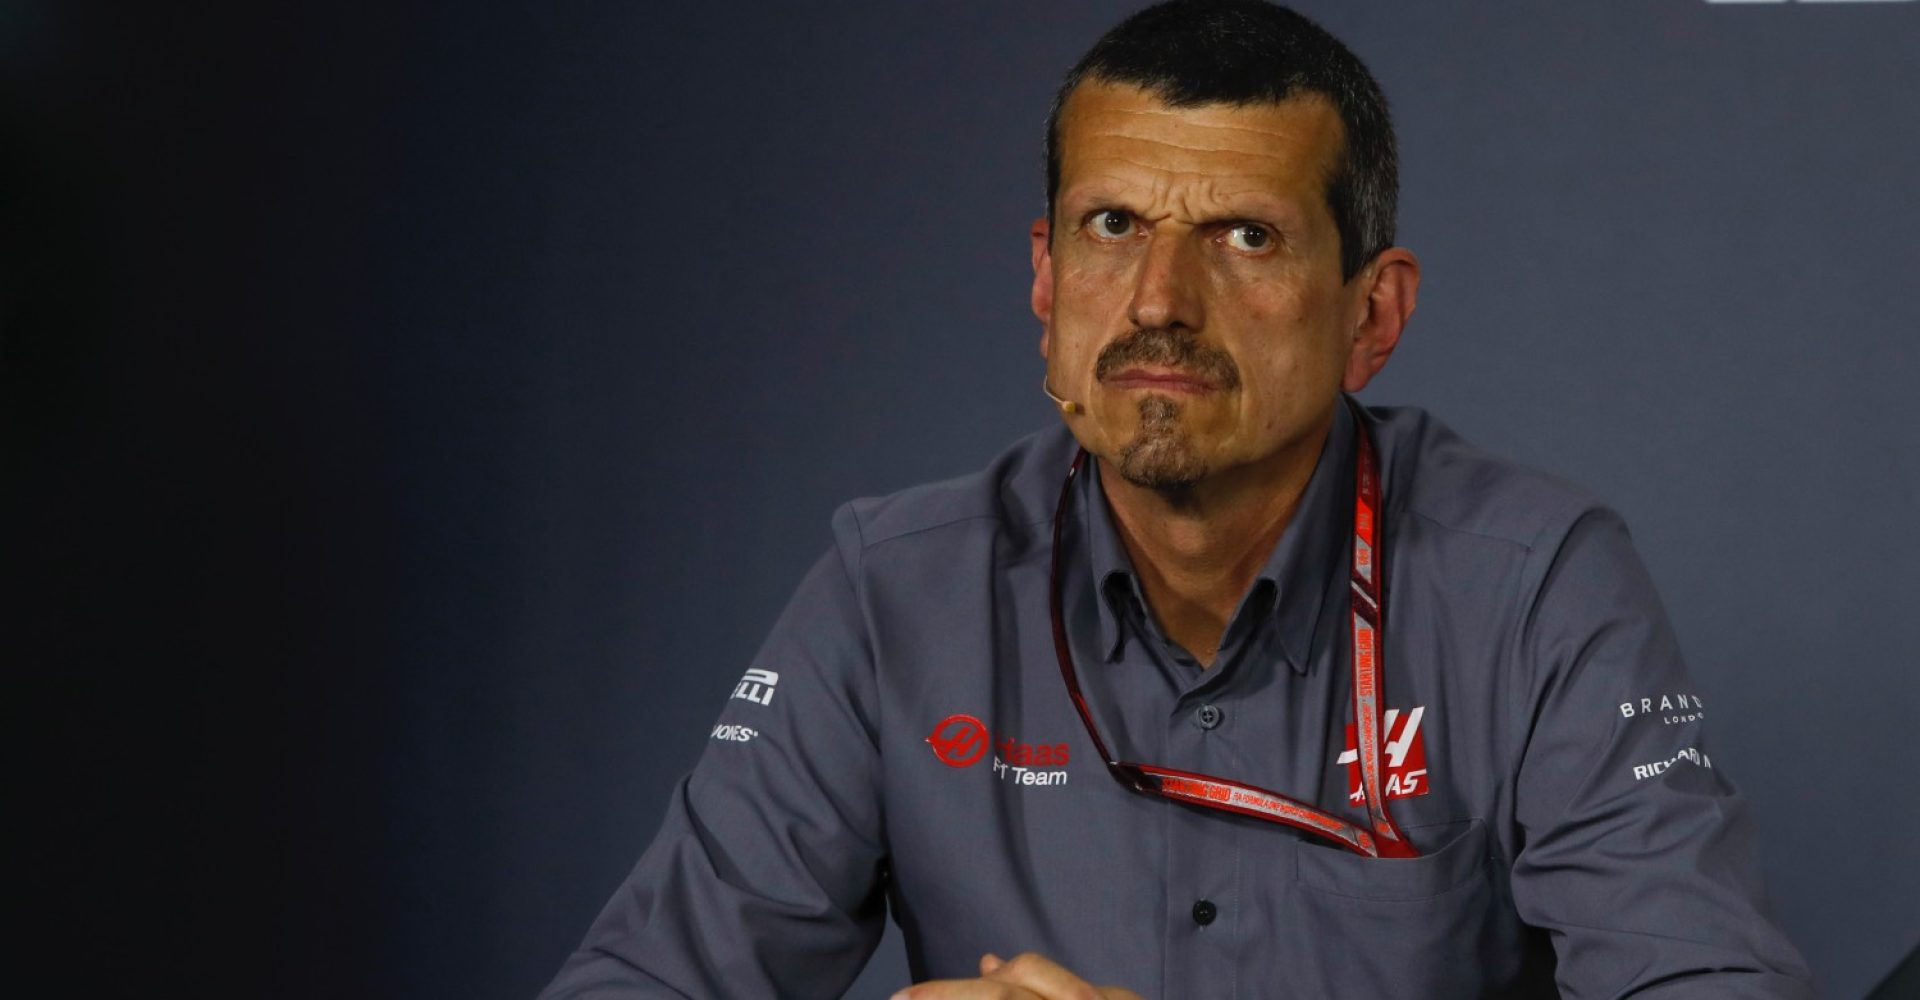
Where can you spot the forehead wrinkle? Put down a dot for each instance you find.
(1313, 111)
(1187, 190)
(1229, 195)
(1291, 148)
(1276, 160)
(1266, 138)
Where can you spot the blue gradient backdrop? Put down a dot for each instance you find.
(417, 413)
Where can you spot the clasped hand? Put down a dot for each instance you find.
(1026, 977)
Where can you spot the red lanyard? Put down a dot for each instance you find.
(1384, 840)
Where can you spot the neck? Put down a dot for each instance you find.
(1196, 553)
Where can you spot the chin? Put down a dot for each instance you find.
(1161, 461)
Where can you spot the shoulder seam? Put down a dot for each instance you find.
(948, 523)
(1444, 526)
(1560, 519)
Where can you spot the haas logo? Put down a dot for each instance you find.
(959, 740)
(962, 740)
(1405, 753)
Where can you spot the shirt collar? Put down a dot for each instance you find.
(1291, 587)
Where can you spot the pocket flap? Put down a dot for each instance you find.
(1406, 879)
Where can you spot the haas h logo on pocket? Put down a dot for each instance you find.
(1405, 753)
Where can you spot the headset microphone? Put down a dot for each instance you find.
(1066, 405)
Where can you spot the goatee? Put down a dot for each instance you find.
(1160, 457)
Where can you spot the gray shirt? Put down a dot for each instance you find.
(904, 742)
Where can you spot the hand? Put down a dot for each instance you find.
(1027, 977)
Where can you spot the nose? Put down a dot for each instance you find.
(1166, 291)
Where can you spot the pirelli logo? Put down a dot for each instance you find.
(757, 686)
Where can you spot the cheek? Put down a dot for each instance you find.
(1088, 285)
(1292, 361)
(1318, 342)
(1088, 307)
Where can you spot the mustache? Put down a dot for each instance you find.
(1163, 347)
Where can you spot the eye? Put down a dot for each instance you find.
(1249, 237)
(1111, 224)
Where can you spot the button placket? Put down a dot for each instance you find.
(1202, 866)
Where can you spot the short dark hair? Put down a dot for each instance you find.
(1194, 52)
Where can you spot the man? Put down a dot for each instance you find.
(1389, 716)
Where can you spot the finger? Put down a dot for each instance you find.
(966, 989)
(1044, 976)
(990, 962)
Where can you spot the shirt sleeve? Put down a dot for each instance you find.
(767, 876)
(1637, 853)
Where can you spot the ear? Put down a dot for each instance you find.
(1389, 285)
(1040, 235)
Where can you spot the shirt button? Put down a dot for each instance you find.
(1204, 912)
(1208, 716)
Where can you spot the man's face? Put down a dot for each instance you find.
(1190, 283)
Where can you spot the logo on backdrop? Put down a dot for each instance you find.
(1406, 753)
(963, 741)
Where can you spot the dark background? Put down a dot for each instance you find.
(415, 414)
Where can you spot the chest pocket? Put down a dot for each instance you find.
(1430, 926)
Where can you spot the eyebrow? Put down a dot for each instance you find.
(1250, 206)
